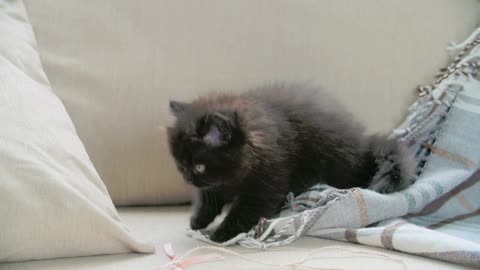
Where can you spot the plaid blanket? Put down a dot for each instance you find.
(439, 215)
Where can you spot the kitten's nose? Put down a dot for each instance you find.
(196, 181)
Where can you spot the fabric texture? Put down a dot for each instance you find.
(115, 64)
(168, 224)
(439, 215)
(53, 203)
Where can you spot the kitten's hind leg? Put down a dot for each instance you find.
(207, 205)
(394, 163)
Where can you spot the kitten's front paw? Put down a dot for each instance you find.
(223, 235)
(198, 222)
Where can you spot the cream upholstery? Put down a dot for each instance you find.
(116, 63)
(164, 224)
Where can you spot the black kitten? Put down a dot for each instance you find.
(254, 148)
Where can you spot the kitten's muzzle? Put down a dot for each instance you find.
(197, 181)
(205, 183)
(200, 184)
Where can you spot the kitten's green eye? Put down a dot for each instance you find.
(199, 168)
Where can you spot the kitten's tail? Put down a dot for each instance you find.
(394, 165)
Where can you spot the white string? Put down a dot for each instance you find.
(379, 256)
(219, 249)
(298, 264)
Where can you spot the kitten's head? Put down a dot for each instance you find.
(207, 145)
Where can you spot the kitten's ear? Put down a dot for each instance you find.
(177, 107)
(220, 128)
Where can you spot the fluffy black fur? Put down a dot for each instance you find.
(252, 149)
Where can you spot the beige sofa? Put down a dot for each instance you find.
(115, 65)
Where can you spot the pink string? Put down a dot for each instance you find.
(182, 264)
(169, 251)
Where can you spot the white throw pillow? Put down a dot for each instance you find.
(52, 201)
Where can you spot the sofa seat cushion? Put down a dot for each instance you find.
(168, 224)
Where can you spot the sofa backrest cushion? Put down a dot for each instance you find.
(115, 64)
